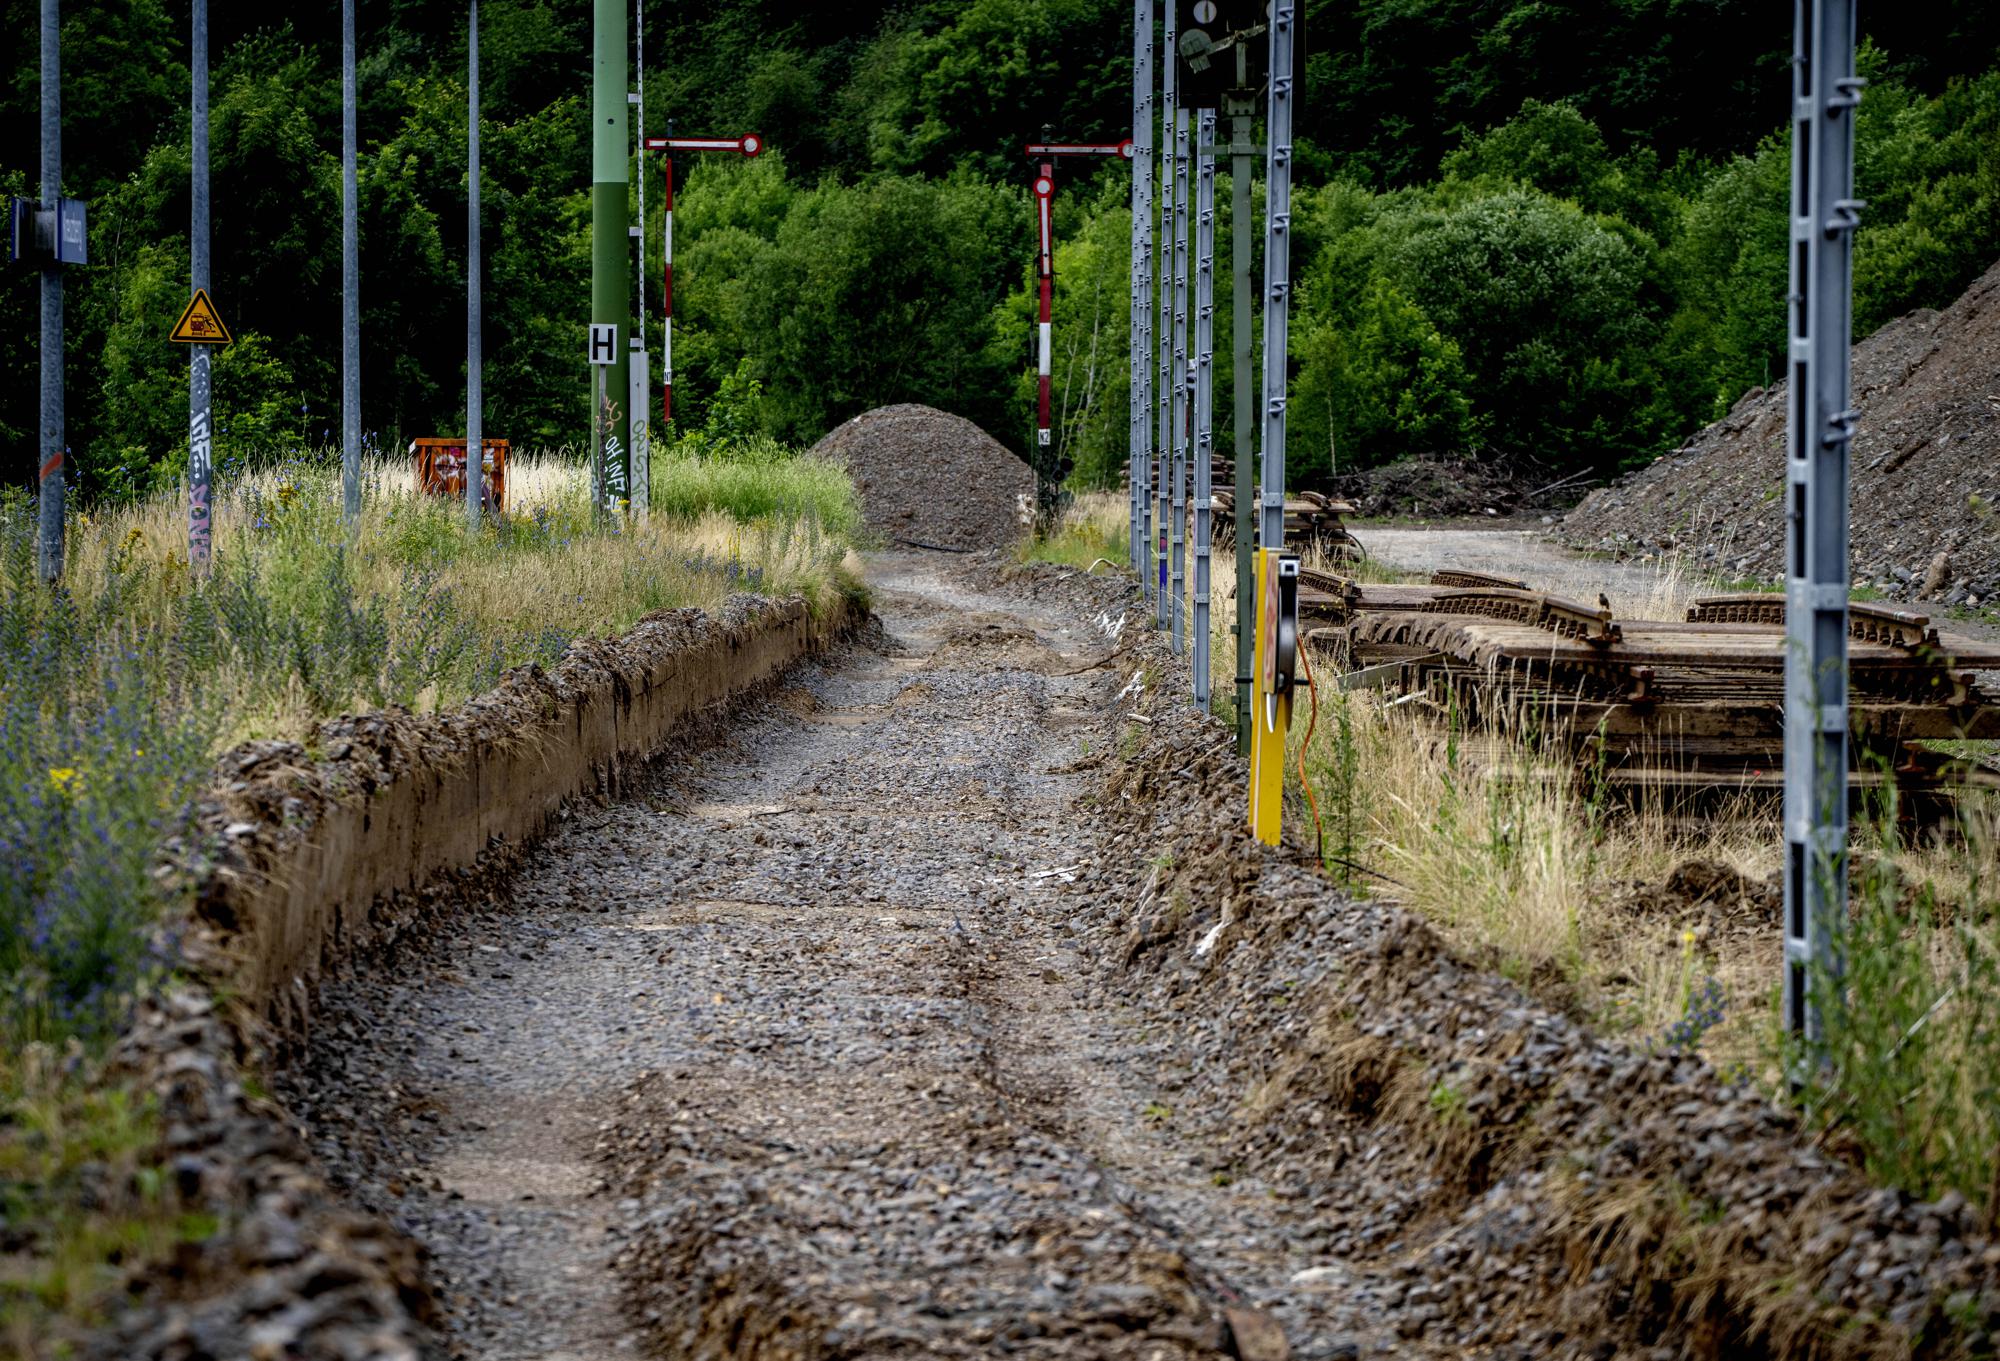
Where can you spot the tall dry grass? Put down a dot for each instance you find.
(119, 684)
(517, 590)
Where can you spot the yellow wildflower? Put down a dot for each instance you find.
(65, 779)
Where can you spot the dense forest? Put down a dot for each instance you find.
(1549, 229)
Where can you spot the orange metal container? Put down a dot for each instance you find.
(441, 470)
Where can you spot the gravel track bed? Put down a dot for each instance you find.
(793, 1054)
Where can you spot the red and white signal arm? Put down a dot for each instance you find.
(750, 143)
(1123, 150)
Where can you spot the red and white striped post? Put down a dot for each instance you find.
(1045, 188)
(747, 145)
(1045, 262)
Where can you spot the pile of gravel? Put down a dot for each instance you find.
(931, 478)
(1926, 470)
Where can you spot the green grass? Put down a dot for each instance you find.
(1094, 530)
(758, 481)
(118, 685)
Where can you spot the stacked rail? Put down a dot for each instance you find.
(1314, 521)
(1669, 704)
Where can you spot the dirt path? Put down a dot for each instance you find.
(794, 1055)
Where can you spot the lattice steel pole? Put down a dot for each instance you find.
(1277, 274)
(1242, 151)
(1177, 535)
(1820, 429)
(1142, 252)
(1163, 454)
(1204, 389)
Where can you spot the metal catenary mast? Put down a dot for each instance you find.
(1276, 570)
(1142, 251)
(350, 281)
(639, 374)
(1181, 412)
(49, 528)
(610, 282)
(1163, 453)
(1820, 430)
(1204, 392)
(201, 388)
(475, 394)
(1239, 104)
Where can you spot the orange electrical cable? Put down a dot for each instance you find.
(1319, 830)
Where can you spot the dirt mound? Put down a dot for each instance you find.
(1438, 488)
(931, 478)
(1926, 469)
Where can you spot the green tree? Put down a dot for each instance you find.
(1385, 383)
(883, 293)
(1549, 308)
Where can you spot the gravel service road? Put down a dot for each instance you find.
(792, 1055)
(1529, 554)
(938, 1005)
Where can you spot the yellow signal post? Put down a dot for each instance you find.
(1271, 689)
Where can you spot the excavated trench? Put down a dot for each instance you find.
(940, 1009)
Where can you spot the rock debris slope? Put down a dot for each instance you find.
(928, 477)
(1926, 469)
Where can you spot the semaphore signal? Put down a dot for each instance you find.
(749, 145)
(1045, 262)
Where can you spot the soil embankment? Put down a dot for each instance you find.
(327, 857)
(1925, 470)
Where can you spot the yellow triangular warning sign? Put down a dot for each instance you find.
(200, 324)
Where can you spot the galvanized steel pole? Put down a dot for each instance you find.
(475, 395)
(638, 367)
(1163, 454)
(49, 524)
(1178, 534)
(201, 388)
(1204, 390)
(1242, 285)
(610, 280)
(1141, 280)
(638, 233)
(1820, 430)
(1277, 274)
(350, 281)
